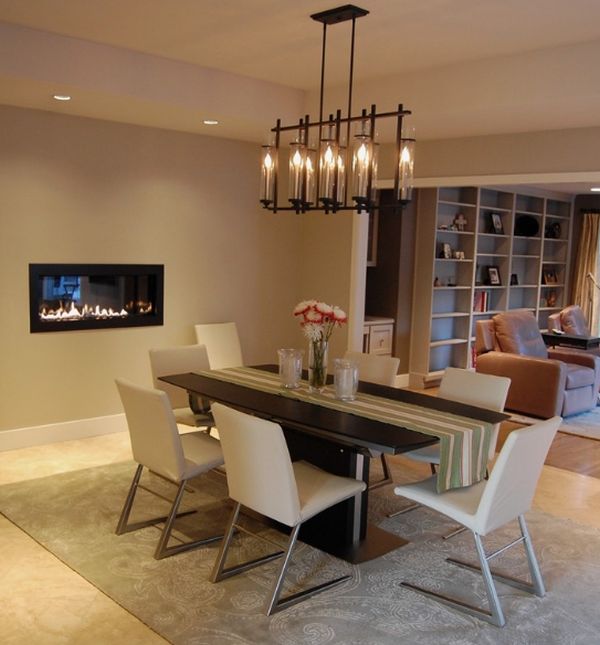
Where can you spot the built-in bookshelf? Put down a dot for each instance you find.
(480, 251)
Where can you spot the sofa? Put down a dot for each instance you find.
(544, 382)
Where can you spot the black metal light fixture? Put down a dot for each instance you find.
(329, 170)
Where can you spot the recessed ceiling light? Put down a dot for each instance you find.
(61, 97)
(595, 189)
(210, 122)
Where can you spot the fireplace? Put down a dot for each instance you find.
(67, 297)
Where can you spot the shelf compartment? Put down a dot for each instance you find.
(449, 355)
(458, 195)
(529, 205)
(496, 199)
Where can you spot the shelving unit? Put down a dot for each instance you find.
(520, 240)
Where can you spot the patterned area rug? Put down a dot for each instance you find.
(586, 424)
(74, 514)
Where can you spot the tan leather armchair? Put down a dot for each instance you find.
(544, 382)
(572, 320)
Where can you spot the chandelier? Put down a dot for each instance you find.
(333, 162)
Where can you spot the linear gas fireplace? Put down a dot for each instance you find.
(65, 297)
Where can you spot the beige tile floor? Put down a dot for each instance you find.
(44, 601)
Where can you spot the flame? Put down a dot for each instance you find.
(89, 312)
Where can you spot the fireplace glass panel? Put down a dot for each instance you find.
(67, 297)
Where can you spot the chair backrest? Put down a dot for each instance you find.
(517, 332)
(480, 390)
(374, 368)
(572, 321)
(259, 469)
(510, 489)
(155, 441)
(177, 360)
(222, 344)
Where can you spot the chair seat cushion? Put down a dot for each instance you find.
(318, 489)
(428, 454)
(201, 452)
(460, 504)
(579, 376)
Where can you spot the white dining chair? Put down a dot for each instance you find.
(472, 388)
(382, 370)
(157, 445)
(188, 410)
(488, 505)
(222, 344)
(262, 477)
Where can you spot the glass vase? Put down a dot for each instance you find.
(317, 365)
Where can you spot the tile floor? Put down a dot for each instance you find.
(44, 601)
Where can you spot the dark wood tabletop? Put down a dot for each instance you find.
(345, 428)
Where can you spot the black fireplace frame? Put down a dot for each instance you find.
(37, 271)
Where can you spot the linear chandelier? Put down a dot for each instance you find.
(328, 170)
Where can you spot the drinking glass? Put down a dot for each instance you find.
(290, 367)
(345, 377)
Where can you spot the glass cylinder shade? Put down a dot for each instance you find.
(267, 179)
(362, 164)
(406, 163)
(328, 160)
(296, 173)
(309, 174)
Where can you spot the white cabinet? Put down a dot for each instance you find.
(480, 251)
(378, 335)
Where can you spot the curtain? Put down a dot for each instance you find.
(585, 292)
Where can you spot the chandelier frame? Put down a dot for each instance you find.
(337, 184)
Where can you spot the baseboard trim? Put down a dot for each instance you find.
(401, 380)
(62, 431)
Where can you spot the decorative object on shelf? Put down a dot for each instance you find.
(496, 224)
(552, 231)
(445, 251)
(526, 226)
(514, 279)
(460, 221)
(459, 255)
(549, 276)
(551, 299)
(337, 171)
(436, 282)
(493, 276)
(318, 322)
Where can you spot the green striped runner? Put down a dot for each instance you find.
(464, 442)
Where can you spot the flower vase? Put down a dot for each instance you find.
(317, 365)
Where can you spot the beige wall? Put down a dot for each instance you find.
(80, 190)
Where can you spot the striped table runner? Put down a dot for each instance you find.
(464, 442)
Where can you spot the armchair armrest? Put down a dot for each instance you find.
(537, 385)
(575, 356)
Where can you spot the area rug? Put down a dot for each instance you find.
(73, 515)
(586, 424)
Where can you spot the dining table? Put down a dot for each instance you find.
(342, 436)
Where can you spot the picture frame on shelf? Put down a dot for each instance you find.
(514, 279)
(549, 276)
(493, 276)
(446, 251)
(496, 224)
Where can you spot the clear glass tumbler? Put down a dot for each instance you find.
(345, 377)
(290, 367)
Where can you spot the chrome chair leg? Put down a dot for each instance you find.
(275, 602)
(162, 548)
(460, 529)
(534, 568)
(219, 571)
(494, 615)
(387, 474)
(406, 509)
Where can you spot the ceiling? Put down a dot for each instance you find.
(465, 67)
